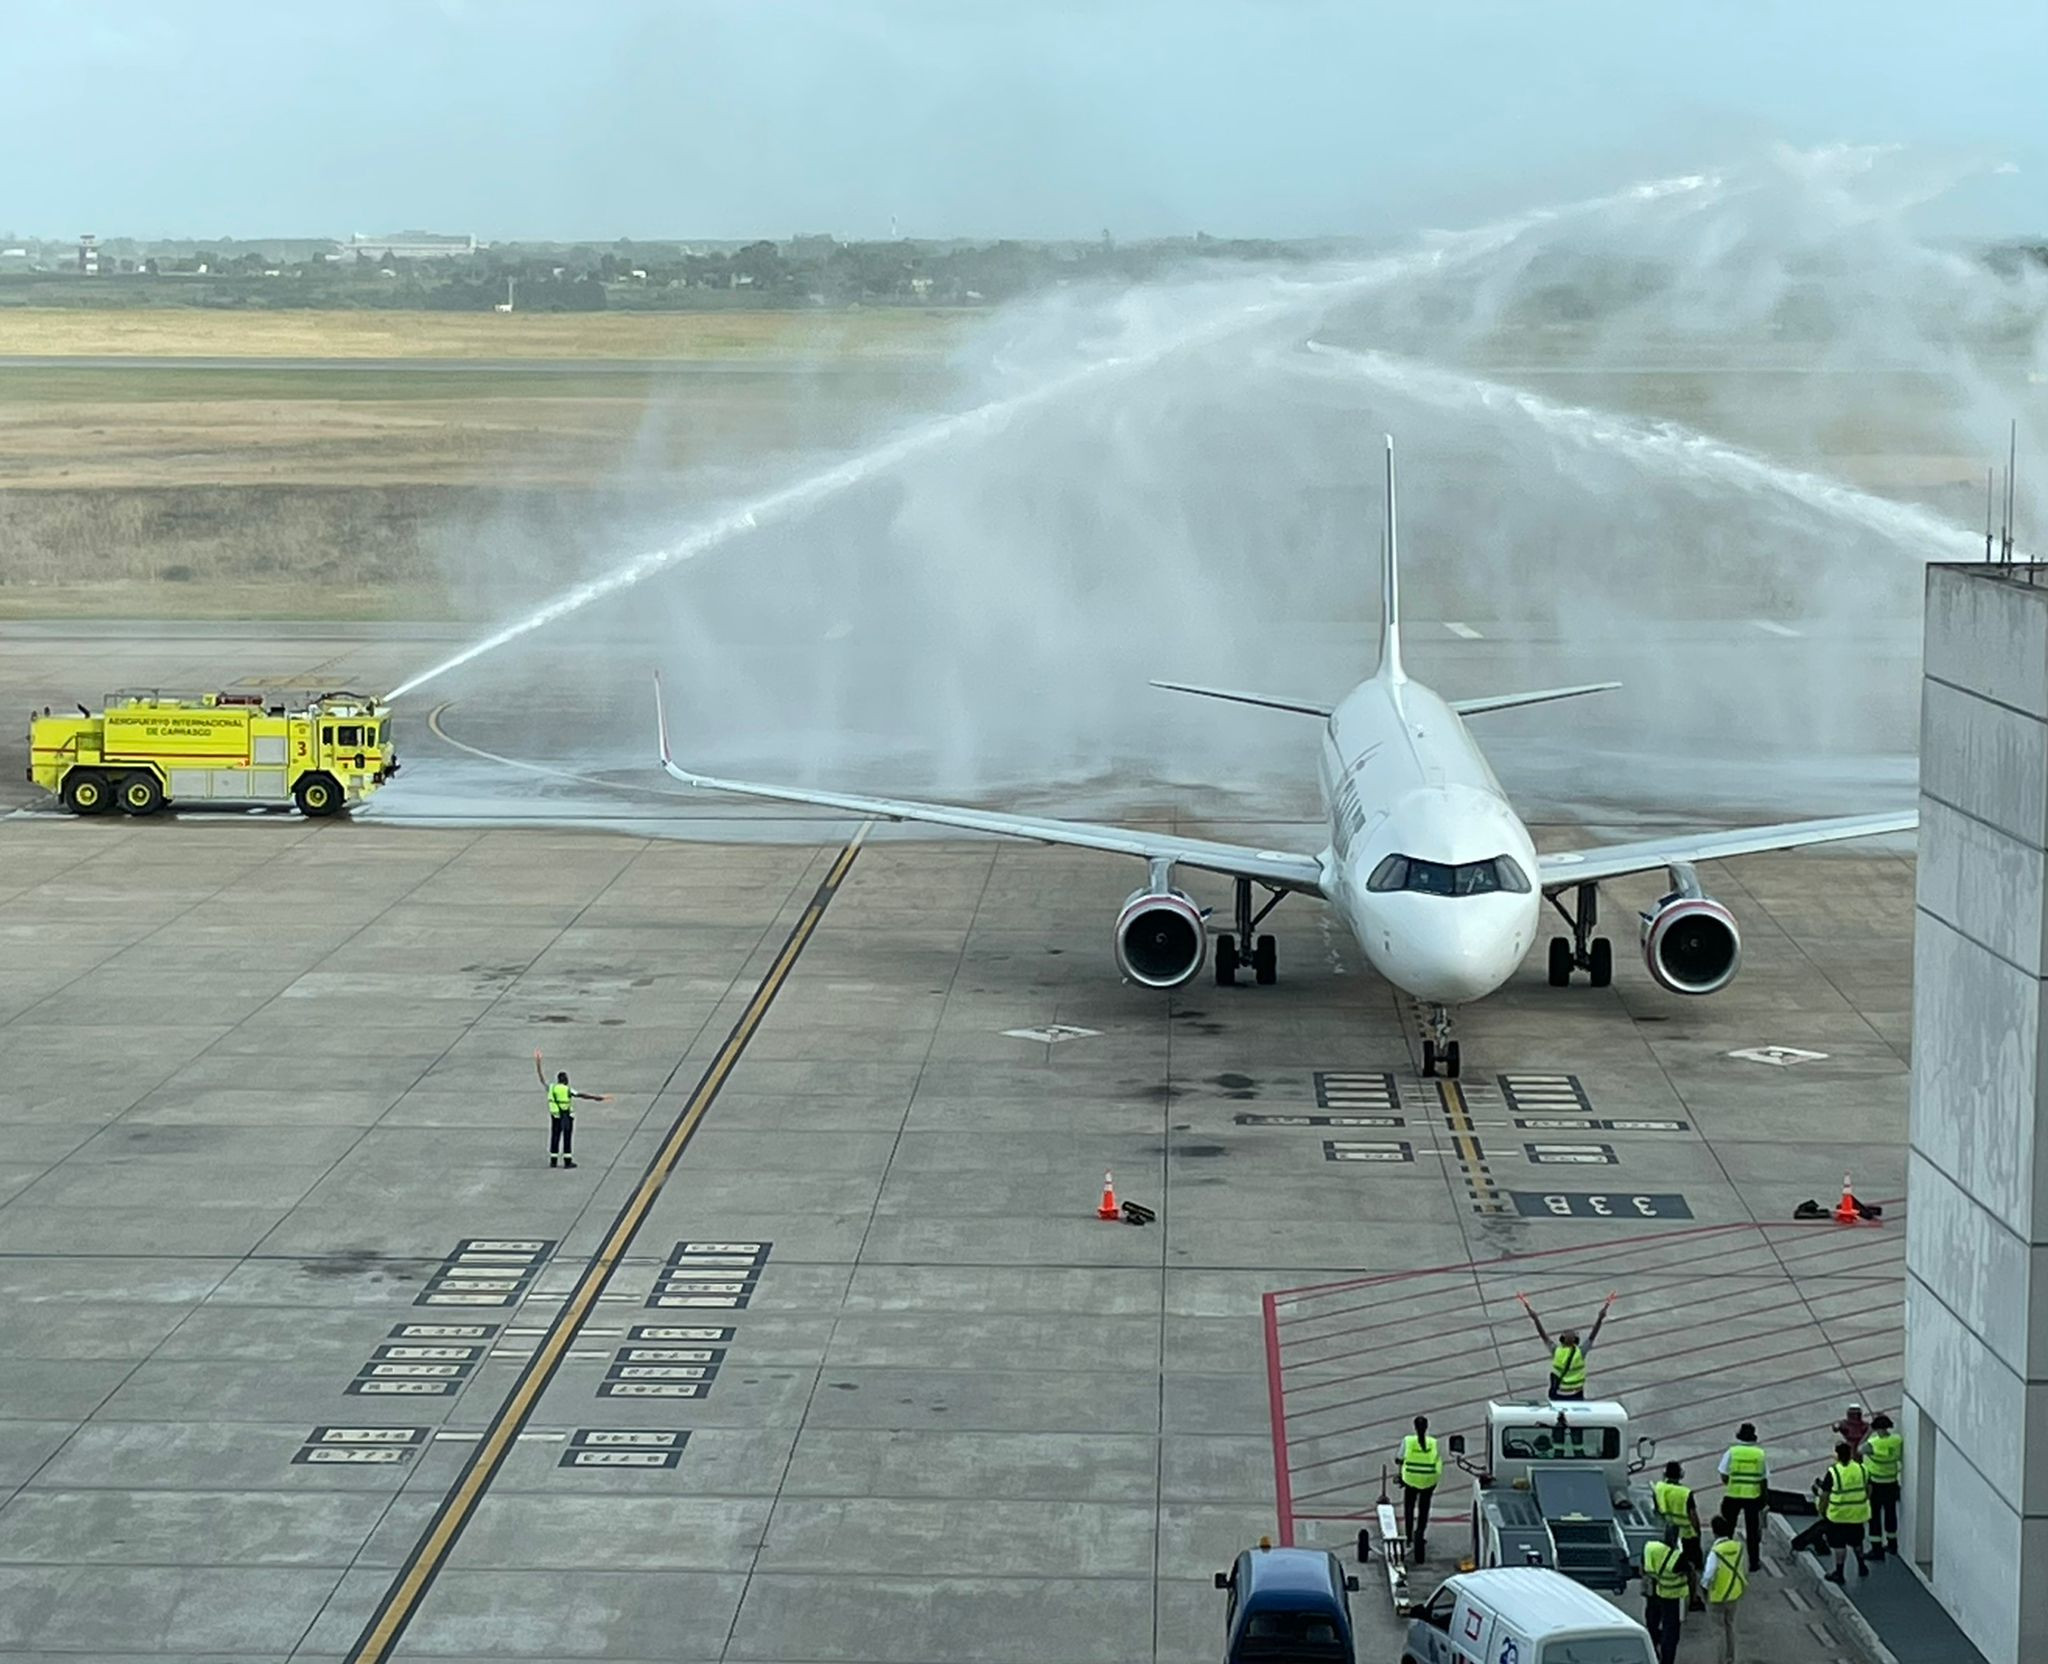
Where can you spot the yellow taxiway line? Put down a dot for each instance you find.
(416, 1576)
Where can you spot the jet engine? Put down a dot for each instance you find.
(1162, 940)
(1690, 942)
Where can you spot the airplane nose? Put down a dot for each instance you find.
(1456, 960)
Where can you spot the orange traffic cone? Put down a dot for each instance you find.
(1109, 1209)
(1846, 1210)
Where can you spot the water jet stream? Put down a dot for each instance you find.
(1670, 447)
(1441, 252)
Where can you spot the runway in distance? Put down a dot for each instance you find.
(1427, 863)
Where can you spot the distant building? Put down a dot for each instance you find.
(411, 245)
(89, 254)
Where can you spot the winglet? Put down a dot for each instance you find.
(1390, 589)
(661, 722)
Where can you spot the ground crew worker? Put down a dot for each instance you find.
(1676, 1511)
(1745, 1476)
(1422, 1465)
(1853, 1429)
(1726, 1581)
(1884, 1461)
(1567, 1354)
(1664, 1588)
(1847, 1491)
(562, 1113)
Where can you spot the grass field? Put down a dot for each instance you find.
(113, 430)
(920, 335)
(295, 483)
(138, 598)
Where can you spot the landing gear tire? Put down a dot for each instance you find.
(86, 792)
(1560, 962)
(139, 795)
(1226, 961)
(1600, 970)
(1451, 1060)
(1581, 950)
(1429, 1057)
(1266, 962)
(317, 795)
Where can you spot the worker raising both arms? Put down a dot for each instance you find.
(1568, 1353)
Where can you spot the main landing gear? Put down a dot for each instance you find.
(1264, 958)
(1439, 1050)
(1583, 951)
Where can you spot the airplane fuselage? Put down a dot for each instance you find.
(1430, 868)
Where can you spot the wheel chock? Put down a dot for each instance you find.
(1136, 1213)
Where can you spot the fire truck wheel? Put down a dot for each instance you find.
(317, 795)
(139, 794)
(85, 792)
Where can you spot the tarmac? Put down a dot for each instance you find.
(820, 1353)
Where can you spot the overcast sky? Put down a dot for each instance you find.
(607, 118)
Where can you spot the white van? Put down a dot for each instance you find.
(1522, 1615)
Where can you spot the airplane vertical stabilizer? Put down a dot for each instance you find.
(1390, 588)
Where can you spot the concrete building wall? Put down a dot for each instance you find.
(1976, 1391)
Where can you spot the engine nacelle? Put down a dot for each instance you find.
(1691, 945)
(1162, 940)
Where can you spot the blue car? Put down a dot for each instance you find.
(1287, 1606)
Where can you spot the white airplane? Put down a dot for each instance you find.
(1429, 867)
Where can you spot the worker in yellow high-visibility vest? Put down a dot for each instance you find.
(562, 1113)
(1884, 1463)
(1745, 1478)
(1845, 1489)
(1422, 1465)
(1567, 1353)
(1727, 1582)
(1676, 1511)
(1665, 1582)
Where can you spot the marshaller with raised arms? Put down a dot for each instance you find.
(1427, 863)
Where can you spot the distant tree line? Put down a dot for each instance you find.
(639, 276)
(802, 271)
(808, 271)
(540, 292)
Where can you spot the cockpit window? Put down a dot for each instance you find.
(1440, 878)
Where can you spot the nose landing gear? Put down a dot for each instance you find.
(1583, 951)
(1439, 1050)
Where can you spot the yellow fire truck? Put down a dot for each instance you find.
(148, 748)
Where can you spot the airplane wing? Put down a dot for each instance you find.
(1542, 696)
(1271, 702)
(1278, 868)
(1588, 866)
